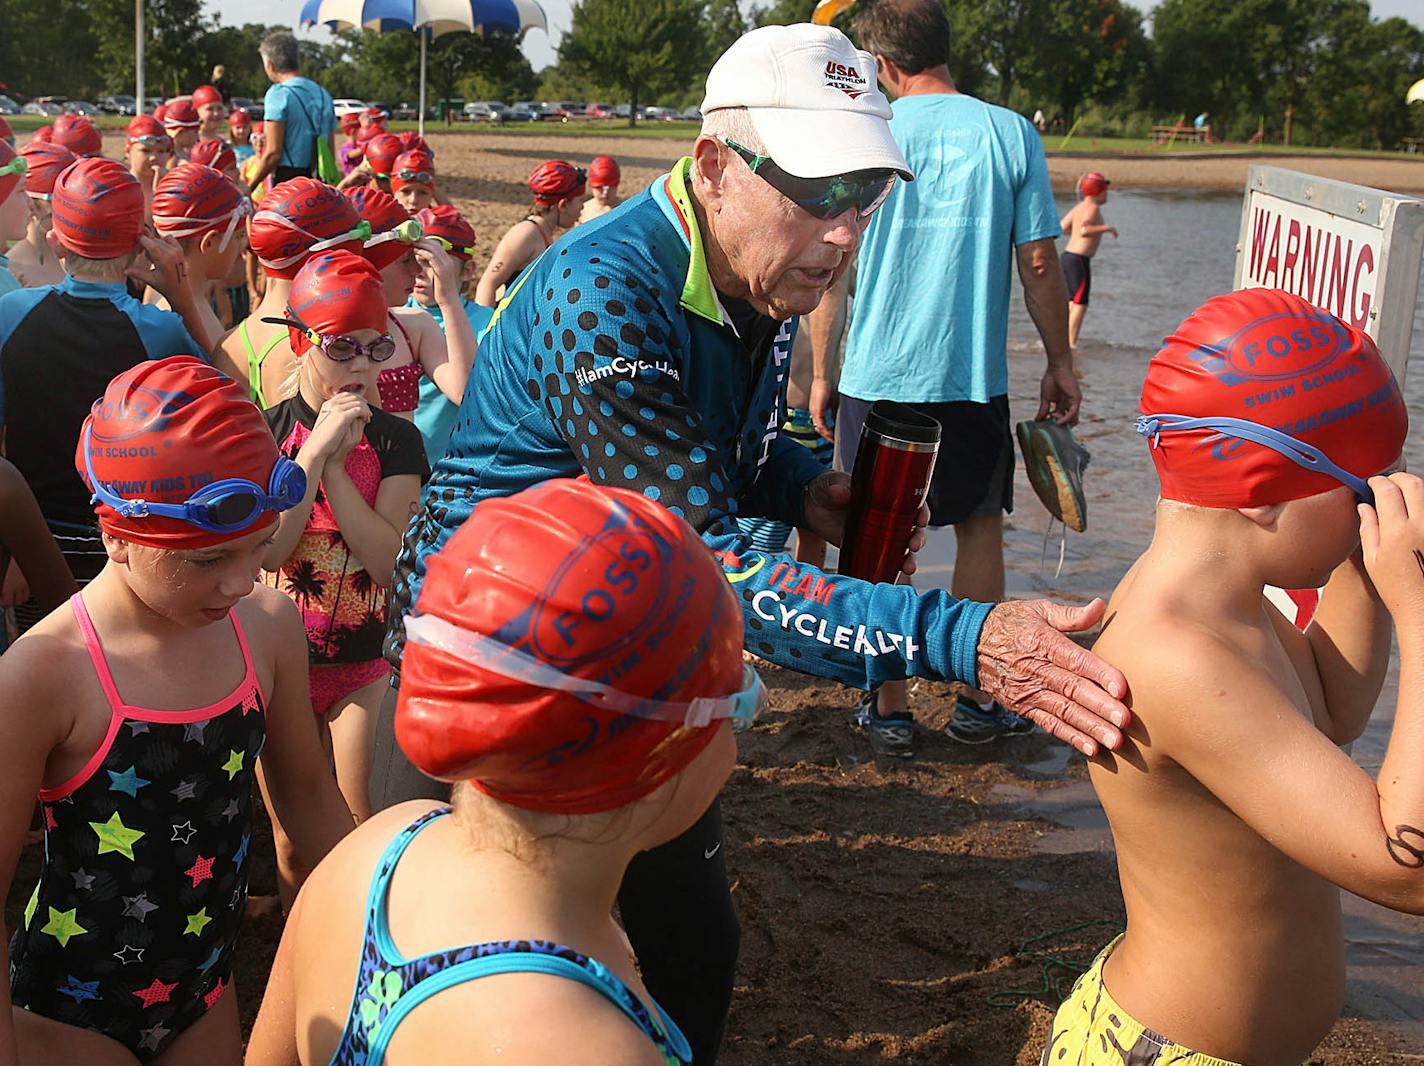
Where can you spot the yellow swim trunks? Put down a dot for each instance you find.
(1090, 1029)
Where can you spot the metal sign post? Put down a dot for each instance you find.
(1349, 249)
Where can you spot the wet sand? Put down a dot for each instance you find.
(884, 903)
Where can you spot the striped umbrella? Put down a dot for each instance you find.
(432, 17)
(829, 9)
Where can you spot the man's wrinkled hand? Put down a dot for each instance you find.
(1028, 665)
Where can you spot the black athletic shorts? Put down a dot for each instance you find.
(974, 471)
(1078, 276)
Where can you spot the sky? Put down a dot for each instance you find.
(540, 47)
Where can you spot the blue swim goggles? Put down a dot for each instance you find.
(1297, 451)
(225, 506)
(741, 707)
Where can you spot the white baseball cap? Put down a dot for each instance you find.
(812, 97)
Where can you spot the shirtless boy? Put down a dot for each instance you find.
(1084, 227)
(1234, 810)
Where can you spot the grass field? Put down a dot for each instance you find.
(1054, 144)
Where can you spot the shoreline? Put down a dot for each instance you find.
(1226, 172)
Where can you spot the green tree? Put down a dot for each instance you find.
(235, 47)
(1094, 51)
(642, 46)
(48, 49)
(174, 31)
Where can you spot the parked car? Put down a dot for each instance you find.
(404, 112)
(47, 109)
(82, 107)
(484, 111)
(599, 111)
(532, 108)
(690, 114)
(118, 105)
(346, 104)
(520, 113)
(385, 109)
(150, 104)
(660, 114)
(253, 107)
(8, 106)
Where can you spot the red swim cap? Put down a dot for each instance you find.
(351, 120)
(192, 199)
(442, 220)
(141, 126)
(373, 114)
(336, 293)
(239, 116)
(206, 94)
(413, 168)
(163, 430)
(367, 134)
(214, 153)
(98, 209)
(556, 181)
(78, 135)
(160, 111)
(414, 142)
(1271, 358)
(8, 182)
(602, 584)
(295, 215)
(604, 171)
(180, 115)
(46, 162)
(44, 135)
(381, 153)
(1093, 184)
(384, 213)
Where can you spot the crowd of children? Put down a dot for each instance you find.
(219, 411)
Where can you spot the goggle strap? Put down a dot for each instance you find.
(499, 658)
(1297, 451)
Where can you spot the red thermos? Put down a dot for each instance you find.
(893, 464)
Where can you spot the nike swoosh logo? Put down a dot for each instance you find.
(712, 851)
(743, 575)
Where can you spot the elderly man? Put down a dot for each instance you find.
(649, 350)
(296, 111)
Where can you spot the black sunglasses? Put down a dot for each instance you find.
(862, 190)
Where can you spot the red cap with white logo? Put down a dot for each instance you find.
(813, 99)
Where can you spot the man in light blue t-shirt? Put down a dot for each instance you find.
(296, 111)
(929, 326)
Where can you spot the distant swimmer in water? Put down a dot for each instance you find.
(1084, 227)
(1236, 815)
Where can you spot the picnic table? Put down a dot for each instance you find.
(1178, 132)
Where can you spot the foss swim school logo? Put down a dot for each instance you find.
(622, 569)
(146, 411)
(1254, 352)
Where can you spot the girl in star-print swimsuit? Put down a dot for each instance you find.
(137, 713)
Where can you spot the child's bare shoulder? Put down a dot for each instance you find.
(1175, 665)
(354, 858)
(41, 669)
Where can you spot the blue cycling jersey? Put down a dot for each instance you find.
(614, 357)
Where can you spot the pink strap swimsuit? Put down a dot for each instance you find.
(399, 387)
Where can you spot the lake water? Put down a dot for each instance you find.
(1176, 250)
